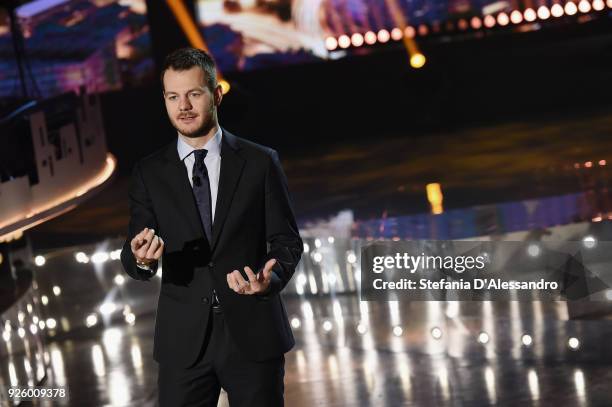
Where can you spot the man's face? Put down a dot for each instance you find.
(191, 106)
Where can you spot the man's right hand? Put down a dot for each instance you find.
(147, 247)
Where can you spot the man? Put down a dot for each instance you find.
(217, 208)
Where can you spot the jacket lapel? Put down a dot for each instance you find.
(232, 165)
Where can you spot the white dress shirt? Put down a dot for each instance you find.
(212, 162)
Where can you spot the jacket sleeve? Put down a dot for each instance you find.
(282, 234)
(141, 216)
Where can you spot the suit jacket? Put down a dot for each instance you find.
(253, 223)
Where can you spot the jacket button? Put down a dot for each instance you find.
(211, 264)
(205, 300)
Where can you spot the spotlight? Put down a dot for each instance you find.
(589, 241)
(573, 343)
(81, 257)
(351, 257)
(584, 6)
(119, 279)
(502, 19)
(383, 35)
(6, 335)
(327, 326)
(557, 10)
(295, 323)
(108, 308)
(476, 23)
(410, 31)
(397, 330)
(483, 338)
(417, 60)
(40, 261)
(370, 38)
(51, 323)
(99, 257)
(91, 320)
(57, 290)
(361, 328)
(130, 318)
(344, 41)
(317, 257)
(306, 248)
(436, 332)
(533, 250)
(317, 243)
(301, 279)
(526, 339)
(357, 40)
(396, 34)
(516, 17)
(489, 21)
(543, 12)
(44, 299)
(331, 43)
(530, 15)
(21, 332)
(570, 8)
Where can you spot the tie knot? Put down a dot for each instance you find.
(200, 154)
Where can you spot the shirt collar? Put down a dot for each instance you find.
(213, 145)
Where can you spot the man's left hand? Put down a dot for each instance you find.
(257, 283)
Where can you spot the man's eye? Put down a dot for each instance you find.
(195, 94)
(172, 98)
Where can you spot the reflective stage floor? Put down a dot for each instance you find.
(348, 353)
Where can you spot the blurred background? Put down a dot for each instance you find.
(394, 119)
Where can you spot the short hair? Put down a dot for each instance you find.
(186, 58)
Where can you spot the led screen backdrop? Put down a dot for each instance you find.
(252, 34)
(100, 44)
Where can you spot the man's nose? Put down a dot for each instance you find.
(184, 104)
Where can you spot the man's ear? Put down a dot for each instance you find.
(218, 95)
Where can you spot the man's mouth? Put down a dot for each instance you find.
(187, 119)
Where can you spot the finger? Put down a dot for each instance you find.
(146, 242)
(153, 247)
(160, 249)
(250, 274)
(268, 267)
(231, 282)
(240, 281)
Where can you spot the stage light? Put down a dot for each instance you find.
(344, 41)
(20, 317)
(301, 279)
(557, 10)
(423, 30)
(417, 60)
(21, 332)
(91, 320)
(108, 308)
(351, 257)
(436, 332)
(602, 162)
(115, 254)
(476, 23)
(33, 329)
(295, 323)
(41, 325)
(573, 343)
(589, 241)
(397, 330)
(331, 43)
(396, 34)
(570, 8)
(130, 318)
(119, 279)
(462, 24)
(99, 257)
(588, 164)
(29, 308)
(6, 335)
(370, 38)
(526, 339)
(435, 197)
(40, 260)
(543, 13)
(51, 323)
(362, 328)
(516, 17)
(483, 338)
(57, 290)
(357, 40)
(530, 15)
(317, 243)
(81, 257)
(410, 31)
(306, 248)
(609, 3)
(502, 19)
(489, 21)
(331, 240)
(533, 250)
(35, 319)
(317, 257)
(383, 35)
(327, 326)
(584, 6)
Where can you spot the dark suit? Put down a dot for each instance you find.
(254, 222)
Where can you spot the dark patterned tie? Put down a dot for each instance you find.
(201, 191)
